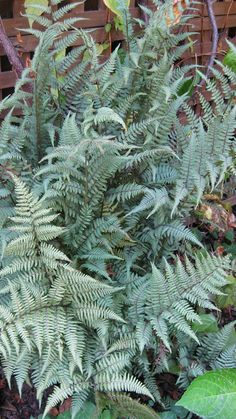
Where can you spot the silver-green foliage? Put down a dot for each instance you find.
(105, 147)
(48, 311)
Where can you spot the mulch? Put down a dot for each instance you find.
(14, 406)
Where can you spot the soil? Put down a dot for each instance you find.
(14, 406)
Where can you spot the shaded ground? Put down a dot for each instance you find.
(12, 406)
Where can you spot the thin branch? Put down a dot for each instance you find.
(10, 51)
(215, 36)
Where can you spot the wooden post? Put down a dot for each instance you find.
(18, 8)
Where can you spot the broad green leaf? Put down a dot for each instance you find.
(106, 414)
(173, 367)
(88, 411)
(229, 235)
(35, 7)
(230, 57)
(230, 60)
(212, 395)
(188, 86)
(108, 27)
(229, 297)
(65, 415)
(208, 325)
(116, 6)
(100, 48)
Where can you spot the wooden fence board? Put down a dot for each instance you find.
(7, 79)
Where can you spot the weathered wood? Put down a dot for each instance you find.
(7, 79)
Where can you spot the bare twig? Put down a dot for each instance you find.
(10, 51)
(215, 36)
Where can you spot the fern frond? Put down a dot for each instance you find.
(125, 405)
(104, 382)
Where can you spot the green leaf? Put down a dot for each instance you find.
(230, 60)
(65, 415)
(116, 6)
(187, 87)
(229, 235)
(208, 325)
(99, 48)
(173, 367)
(230, 249)
(106, 414)
(35, 7)
(212, 395)
(107, 27)
(229, 290)
(88, 411)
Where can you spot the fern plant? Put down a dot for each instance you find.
(47, 310)
(102, 293)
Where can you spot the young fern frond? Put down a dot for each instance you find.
(123, 405)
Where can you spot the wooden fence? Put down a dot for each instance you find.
(97, 16)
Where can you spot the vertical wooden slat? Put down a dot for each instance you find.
(18, 8)
(102, 5)
(201, 10)
(80, 7)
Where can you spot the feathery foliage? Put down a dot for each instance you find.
(99, 175)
